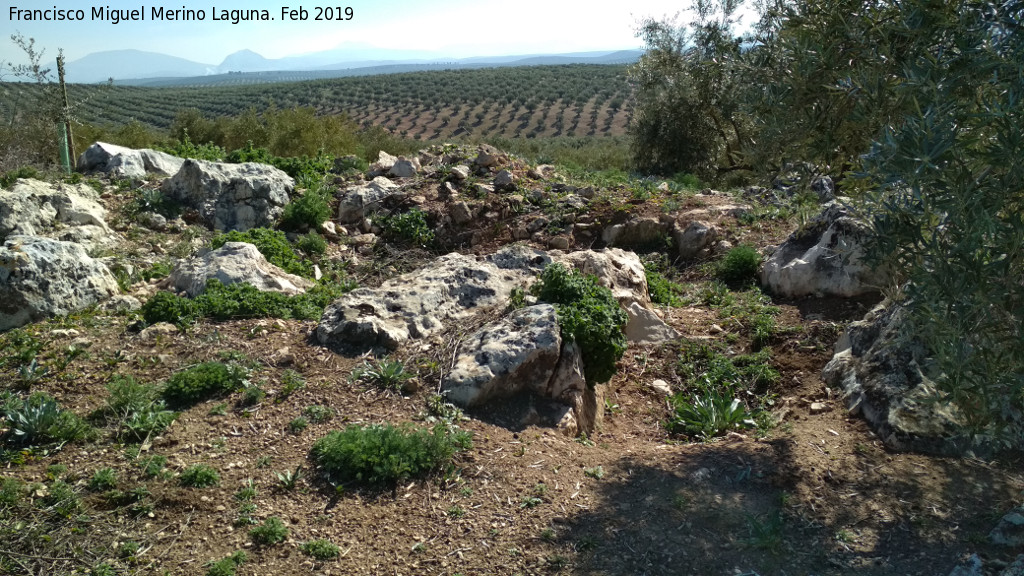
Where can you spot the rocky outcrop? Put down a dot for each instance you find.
(405, 167)
(694, 239)
(42, 277)
(234, 263)
(515, 354)
(883, 372)
(453, 288)
(825, 258)
(126, 162)
(616, 269)
(231, 196)
(637, 232)
(62, 211)
(358, 201)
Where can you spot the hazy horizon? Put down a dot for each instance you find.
(448, 28)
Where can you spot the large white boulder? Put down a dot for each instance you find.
(358, 201)
(231, 196)
(42, 277)
(127, 162)
(234, 263)
(824, 258)
(61, 211)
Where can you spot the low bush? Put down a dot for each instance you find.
(307, 212)
(588, 314)
(272, 531)
(202, 382)
(39, 420)
(386, 374)
(408, 228)
(707, 415)
(199, 476)
(312, 244)
(227, 566)
(383, 455)
(662, 290)
(103, 479)
(235, 301)
(740, 265)
(321, 550)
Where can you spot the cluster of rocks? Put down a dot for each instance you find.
(521, 351)
(1007, 536)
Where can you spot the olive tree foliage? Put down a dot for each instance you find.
(689, 93)
(29, 135)
(946, 202)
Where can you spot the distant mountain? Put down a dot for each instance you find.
(99, 66)
(135, 67)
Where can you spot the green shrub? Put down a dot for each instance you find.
(662, 290)
(318, 414)
(227, 566)
(386, 374)
(297, 425)
(62, 500)
(274, 246)
(588, 314)
(707, 415)
(199, 476)
(201, 382)
(740, 265)
(306, 212)
(408, 228)
(168, 307)
(272, 531)
(153, 465)
(39, 420)
(11, 492)
(312, 244)
(9, 178)
(321, 550)
(103, 479)
(383, 455)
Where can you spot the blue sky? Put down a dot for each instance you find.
(456, 28)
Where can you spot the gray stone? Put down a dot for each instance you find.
(153, 221)
(559, 242)
(1010, 530)
(505, 180)
(542, 172)
(489, 156)
(358, 201)
(517, 353)
(484, 189)
(616, 269)
(41, 277)
(637, 232)
(646, 328)
(453, 288)
(461, 213)
(825, 258)
(972, 566)
(695, 237)
(126, 162)
(231, 196)
(122, 303)
(234, 263)
(460, 172)
(61, 211)
(405, 167)
(661, 387)
(885, 375)
(824, 188)
(385, 162)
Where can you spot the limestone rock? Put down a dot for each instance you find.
(637, 232)
(41, 277)
(126, 162)
(405, 167)
(231, 196)
(489, 156)
(505, 180)
(823, 259)
(358, 201)
(460, 172)
(1010, 530)
(62, 211)
(453, 288)
(883, 372)
(385, 162)
(695, 237)
(233, 263)
(517, 353)
(644, 326)
(461, 213)
(616, 269)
